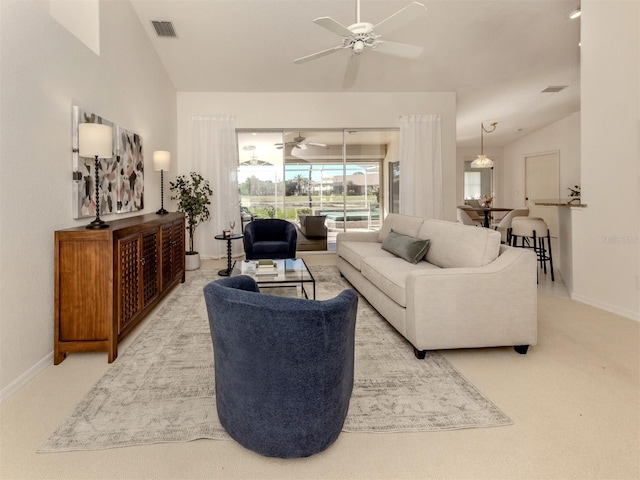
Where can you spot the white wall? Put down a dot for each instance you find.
(562, 136)
(319, 110)
(607, 256)
(45, 71)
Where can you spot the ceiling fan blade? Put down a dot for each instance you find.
(313, 56)
(314, 144)
(397, 49)
(333, 26)
(400, 18)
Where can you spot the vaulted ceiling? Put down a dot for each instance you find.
(497, 55)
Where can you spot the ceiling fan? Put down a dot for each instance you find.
(253, 160)
(299, 142)
(360, 35)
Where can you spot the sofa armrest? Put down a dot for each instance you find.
(357, 237)
(494, 300)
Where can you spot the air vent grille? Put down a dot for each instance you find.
(164, 29)
(554, 88)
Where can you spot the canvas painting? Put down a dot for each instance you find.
(120, 178)
(129, 188)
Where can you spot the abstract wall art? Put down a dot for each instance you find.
(129, 188)
(121, 178)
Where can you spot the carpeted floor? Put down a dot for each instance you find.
(161, 388)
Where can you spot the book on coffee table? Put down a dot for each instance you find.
(266, 267)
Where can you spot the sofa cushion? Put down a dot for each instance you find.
(409, 248)
(404, 224)
(455, 245)
(353, 252)
(389, 274)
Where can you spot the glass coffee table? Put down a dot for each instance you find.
(289, 272)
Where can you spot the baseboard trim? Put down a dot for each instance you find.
(623, 312)
(13, 388)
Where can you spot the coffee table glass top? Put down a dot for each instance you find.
(287, 270)
(290, 271)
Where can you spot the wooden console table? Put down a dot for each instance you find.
(107, 280)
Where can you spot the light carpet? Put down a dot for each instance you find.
(161, 388)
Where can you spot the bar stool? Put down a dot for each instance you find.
(532, 233)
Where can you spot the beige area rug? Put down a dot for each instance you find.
(161, 388)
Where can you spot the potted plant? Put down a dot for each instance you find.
(574, 194)
(192, 193)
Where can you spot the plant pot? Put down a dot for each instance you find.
(191, 261)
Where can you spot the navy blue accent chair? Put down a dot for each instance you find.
(283, 366)
(270, 238)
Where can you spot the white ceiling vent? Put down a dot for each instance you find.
(554, 89)
(164, 29)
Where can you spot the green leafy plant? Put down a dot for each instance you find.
(270, 211)
(574, 194)
(193, 193)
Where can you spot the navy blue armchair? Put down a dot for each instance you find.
(270, 238)
(283, 366)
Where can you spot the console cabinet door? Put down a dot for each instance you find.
(149, 266)
(172, 252)
(128, 279)
(177, 252)
(137, 276)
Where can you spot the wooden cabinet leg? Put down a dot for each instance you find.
(58, 356)
(113, 352)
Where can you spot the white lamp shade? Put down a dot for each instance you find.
(482, 162)
(161, 160)
(95, 139)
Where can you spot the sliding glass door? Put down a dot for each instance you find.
(337, 173)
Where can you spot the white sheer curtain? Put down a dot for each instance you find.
(421, 166)
(215, 157)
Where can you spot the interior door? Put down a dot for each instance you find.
(542, 185)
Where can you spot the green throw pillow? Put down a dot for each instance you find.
(409, 248)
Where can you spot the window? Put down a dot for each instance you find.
(472, 185)
(334, 172)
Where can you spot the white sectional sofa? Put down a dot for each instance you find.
(468, 291)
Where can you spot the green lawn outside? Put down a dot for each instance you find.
(265, 206)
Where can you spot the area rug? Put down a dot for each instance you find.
(160, 389)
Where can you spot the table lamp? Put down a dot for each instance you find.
(161, 162)
(95, 141)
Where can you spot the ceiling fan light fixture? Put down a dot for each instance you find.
(360, 35)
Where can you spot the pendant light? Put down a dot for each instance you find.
(482, 161)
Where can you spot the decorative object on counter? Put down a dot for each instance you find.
(193, 194)
(486, 201)
(95, 140)
(161, 162)
(482, 161)
(574, 194)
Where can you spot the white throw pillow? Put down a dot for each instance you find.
(405, 224)
(455, 245)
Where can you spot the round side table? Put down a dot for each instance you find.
(228, 238)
